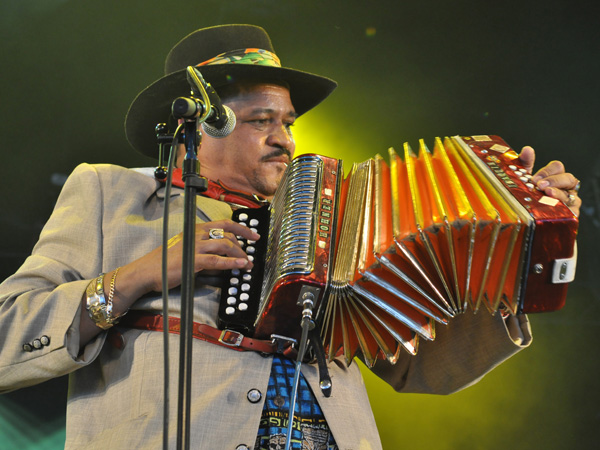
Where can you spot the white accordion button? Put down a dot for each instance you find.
(231, 300)
(229, 310)
(244, 297)
(245, 287)
(232, 291)
(243, 217)
(243, 306)
(250, 249)
(234, 281)
(253, 222)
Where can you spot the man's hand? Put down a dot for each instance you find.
(553, 180)
(212, 252)
(217, 248)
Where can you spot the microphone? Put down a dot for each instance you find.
(223, 125)
(220, 121)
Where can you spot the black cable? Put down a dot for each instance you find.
(316, 343)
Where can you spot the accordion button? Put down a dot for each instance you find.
(243, 217)
(232, 291)
(244, 297)
(235, 272)
(231, 300)
(245, 287)
(512, 167)
(254, 395)
(250, 249)
(243, 306)
(253, 222)
(247, 277)
(254, 229)
(234, 281)
(250, 258)
(229, 310)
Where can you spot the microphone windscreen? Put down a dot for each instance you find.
(226, 129)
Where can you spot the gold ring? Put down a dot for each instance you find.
(571, 200)
(216, 233)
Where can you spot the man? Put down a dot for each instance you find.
(108, 220)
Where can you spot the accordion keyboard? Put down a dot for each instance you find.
(240, 290)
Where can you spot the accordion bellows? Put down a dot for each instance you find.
(394, 248)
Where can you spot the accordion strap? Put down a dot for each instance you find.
(226, 338)
(219, 191)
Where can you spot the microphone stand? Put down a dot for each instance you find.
(194, 184)
(307, 324)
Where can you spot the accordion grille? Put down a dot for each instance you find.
(292, 233)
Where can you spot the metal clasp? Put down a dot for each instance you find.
(563, 270)
(231, 338)
(282, 342)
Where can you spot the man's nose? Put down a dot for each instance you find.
(282, 136)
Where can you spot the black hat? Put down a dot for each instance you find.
(224, 54)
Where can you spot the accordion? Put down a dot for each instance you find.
(391, 249)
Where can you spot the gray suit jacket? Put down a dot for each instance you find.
(107, 216)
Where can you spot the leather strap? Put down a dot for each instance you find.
(226, 338)
(218, 191)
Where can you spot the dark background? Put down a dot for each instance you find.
(525, 70)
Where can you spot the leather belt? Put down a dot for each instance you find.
(226, 338)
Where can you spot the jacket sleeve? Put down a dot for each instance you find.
(40, 303)
(462, 353)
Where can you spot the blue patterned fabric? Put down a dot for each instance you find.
(310, 430)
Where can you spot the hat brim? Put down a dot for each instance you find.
(153, 105)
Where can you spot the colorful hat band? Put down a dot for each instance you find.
(249, 56)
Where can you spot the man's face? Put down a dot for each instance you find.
(253, 157)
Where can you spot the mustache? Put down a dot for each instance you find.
(277, 153)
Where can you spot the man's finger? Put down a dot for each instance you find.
(527, 157)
